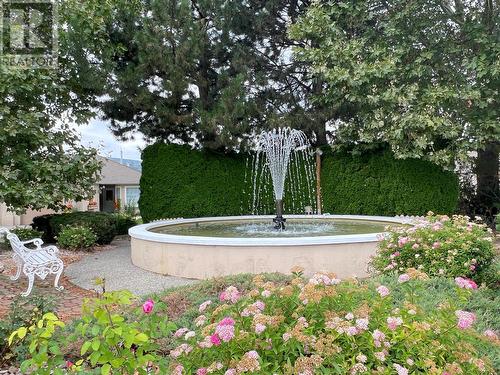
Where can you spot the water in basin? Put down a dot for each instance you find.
(264, 228)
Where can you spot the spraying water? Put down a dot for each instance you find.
(281, 155)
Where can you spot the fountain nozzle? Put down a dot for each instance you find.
(279, 220)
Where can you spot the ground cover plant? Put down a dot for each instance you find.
(22, 312)
(284, 325)
(438, 245)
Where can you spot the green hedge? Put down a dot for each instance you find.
(378, 184)
(180, 182)
(101, 223)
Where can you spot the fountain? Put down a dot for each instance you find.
(278, 145)
(283, 171)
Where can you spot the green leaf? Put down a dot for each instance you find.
(96, 344)
(105, 369)
(141, 337)
(94, 357)
(21, 332)
(50, 316)
(86, 345)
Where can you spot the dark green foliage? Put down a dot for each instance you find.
(377, 184)
(42, 224)
(103, 224)
(123, 223)
(180, 182)
(22, 312)
(216, 71)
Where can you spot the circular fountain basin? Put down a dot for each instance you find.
(218, 246)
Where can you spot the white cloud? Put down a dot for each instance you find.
(97, 134)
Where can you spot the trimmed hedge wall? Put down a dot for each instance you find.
(179, 182)
(378, 184)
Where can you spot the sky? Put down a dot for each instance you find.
(97, 134)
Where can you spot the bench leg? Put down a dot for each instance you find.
(18, 273)
(58, 275)
(31, 278)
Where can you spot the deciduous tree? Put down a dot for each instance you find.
(421, 76)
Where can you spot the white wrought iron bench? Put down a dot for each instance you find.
(40, 261)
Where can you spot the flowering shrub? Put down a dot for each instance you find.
(438, 245)
(325, 326)
(108, 341)
(76, 237)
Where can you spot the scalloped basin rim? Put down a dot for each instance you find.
(143, 232)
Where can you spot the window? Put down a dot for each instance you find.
(132, 194)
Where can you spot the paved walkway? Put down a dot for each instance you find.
(68, 303)
(116, 268)
(110, 262)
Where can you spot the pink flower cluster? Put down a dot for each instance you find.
(224, 331)
(204, 306)
(403, 278)
(400, 369)
(259, 328)
(489, 333)
(183, 348)
(465, 283)
(255, 308)
(465, 319)
(402, 241)
(148, 306)
(231, 294)
(383, 291)
(321, 278)
(394, 322)
(379, 339)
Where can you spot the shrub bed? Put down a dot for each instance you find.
(179, 182)
(22, 312)
(328, 326)
(290, 325)
(438, 245)
(103, 224)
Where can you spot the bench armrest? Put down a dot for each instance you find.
(51, 249)
(35, 241)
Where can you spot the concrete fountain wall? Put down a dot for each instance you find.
(205, 257)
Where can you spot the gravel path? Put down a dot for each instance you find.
(116, 267)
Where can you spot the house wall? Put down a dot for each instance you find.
(10, 219)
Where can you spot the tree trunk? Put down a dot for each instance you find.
(319, 115)
(488, 193)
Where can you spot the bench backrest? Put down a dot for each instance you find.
(16, 244)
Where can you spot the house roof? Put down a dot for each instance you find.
(132, 163)
(114, 173)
